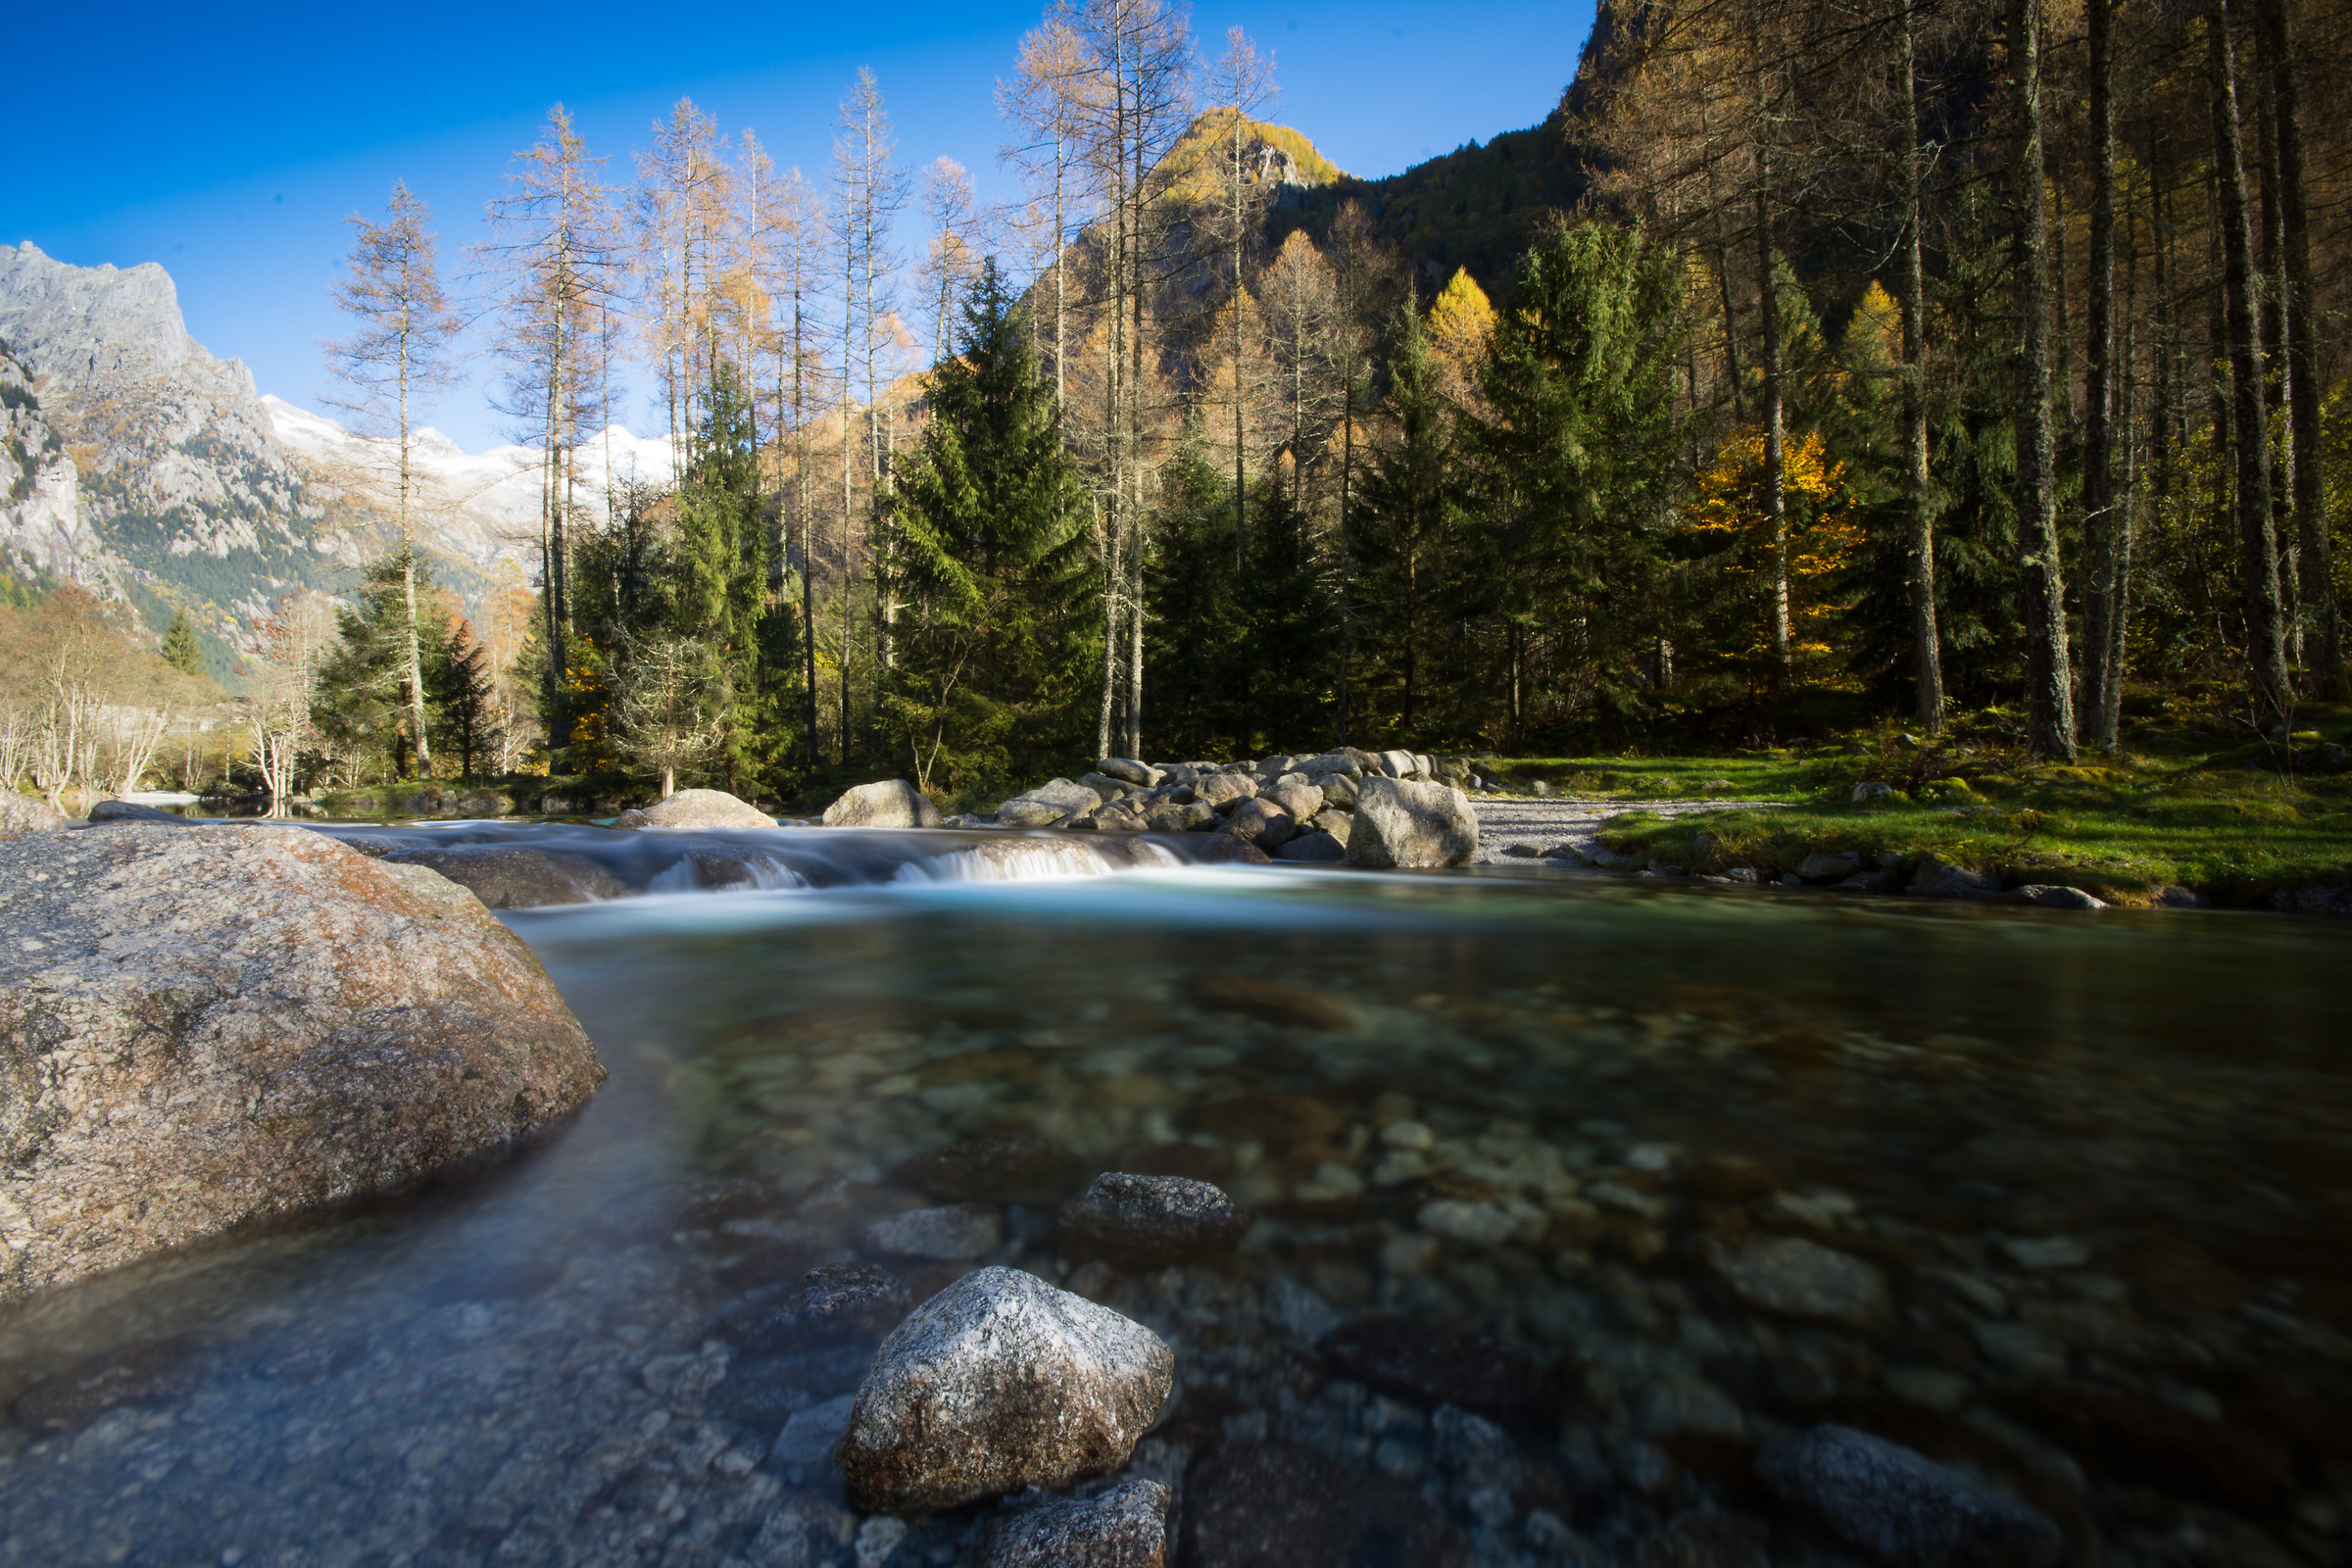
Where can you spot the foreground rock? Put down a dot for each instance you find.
(1402, 823)
(508, 877)
(1126, 1527)
(1000, 1382)
(1150, 1221)
(893, 802)
(201, 1026)
(22, 813)
(1902, 1507)
(705, 809)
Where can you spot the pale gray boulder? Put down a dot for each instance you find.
(892, 803)
(519, 877)
(1400, 822)
(202, 1026)
(1126, 1527)
(22, 813)
(702, 808)
(998, 1383)
(1049, 805)
(1261, 823)
(1294, 795)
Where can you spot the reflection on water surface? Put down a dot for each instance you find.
(1570, 1198)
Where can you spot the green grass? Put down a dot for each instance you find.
(2176, 806)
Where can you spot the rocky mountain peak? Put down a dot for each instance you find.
(95, 328)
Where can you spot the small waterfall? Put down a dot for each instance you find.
(1027, 859)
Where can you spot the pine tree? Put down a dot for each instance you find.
(463, 690)
(1409, 508)
(988, 567)
(181, 650)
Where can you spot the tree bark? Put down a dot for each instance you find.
(2258, 545)
(2049, 690)
(1776, 478)
(2324, 650)
(2099, 438)
(1927, 655)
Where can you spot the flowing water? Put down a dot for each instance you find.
(1532, 1158)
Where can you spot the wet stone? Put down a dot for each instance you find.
(1126, 1527)
(949, 1233)
(810, 1434)
(1272, 1504)
(1000, 1168)
(1149, 1221)
(1435, 1366)
(150, 1372)
(1901, 1507)
(1800, 1278)
(850, 1300)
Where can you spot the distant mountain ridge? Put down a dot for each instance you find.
(137, 463)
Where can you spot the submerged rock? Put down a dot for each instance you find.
(1797, 1278)
(150, 1372)
(1146, 1221)
(1126, 1527)
(509, 877)
(697, 808)
(1402, 823)
(1420, 1361)
(200, 1026)
(952, 1233)
(1000, 1382)
(1271, 1504)
(1902, 1507)
(850, 1300)
(1223, 849)
(2053, 897)
(892, 803)
(998, 1168)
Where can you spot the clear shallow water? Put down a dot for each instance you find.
(1517, 1146)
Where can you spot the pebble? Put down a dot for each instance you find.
(1473, 1224)
(1800, 1278)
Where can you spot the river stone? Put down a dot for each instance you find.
(22, 813)
(997, 1382)
(1440, 1366)
(1339, 792)
(1797, 1278)
(1147, 1221)
(1261, 823)
(1294, 795)
(952, 1233)
(1222, 789)
(202, 1026)
(1829, 867)
(2050, 897)
(1902, 1507)
(1271, 1504)
(1189, 817)
(996, 1168)
(1938, 878)
(111, 810)
(1317, 846)
(850, 1300)
(1401, 823)
(1223, 849)
(1127, 771)
(511, 878)
(697, 808)
(1126, 1527)
(891, 802)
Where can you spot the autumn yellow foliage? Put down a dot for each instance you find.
(1461, 322)
(1731, 505)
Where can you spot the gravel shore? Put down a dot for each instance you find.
(1516, 821)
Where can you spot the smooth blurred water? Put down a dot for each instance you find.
(2101, 1164)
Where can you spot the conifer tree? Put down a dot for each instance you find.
(987, 679)
(464, 688)
(1408, 509)
(181, 650)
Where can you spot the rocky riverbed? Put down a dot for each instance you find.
(1892, 1237)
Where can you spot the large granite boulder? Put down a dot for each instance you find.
(199, 1026)
(1000, 1382)
(892, 803)
(1049, 805)
(514, 877)
(22, 813)
(1402, 823)
(697, 808)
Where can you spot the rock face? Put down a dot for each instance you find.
(697, 808)
(893, 802)
(1902, 1507)
(507, 877)
(1147, 1221)
(1401, 823)
(203, 1025)
(22, 813)
(1000, 1382)
(1126, 1527)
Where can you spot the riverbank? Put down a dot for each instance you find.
(2261, 825)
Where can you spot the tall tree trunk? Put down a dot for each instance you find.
(1926, 649)
(422, 748)
(2098, 435)
(2125, 512)
(1347, 559)
(2049, 696)
(2276, 391)
(2258, 545)
(1775, 475)
(2324, 653)
(1241, 511)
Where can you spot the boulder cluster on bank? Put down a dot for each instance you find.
(1380, 809)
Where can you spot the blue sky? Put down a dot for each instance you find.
(228, 143)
